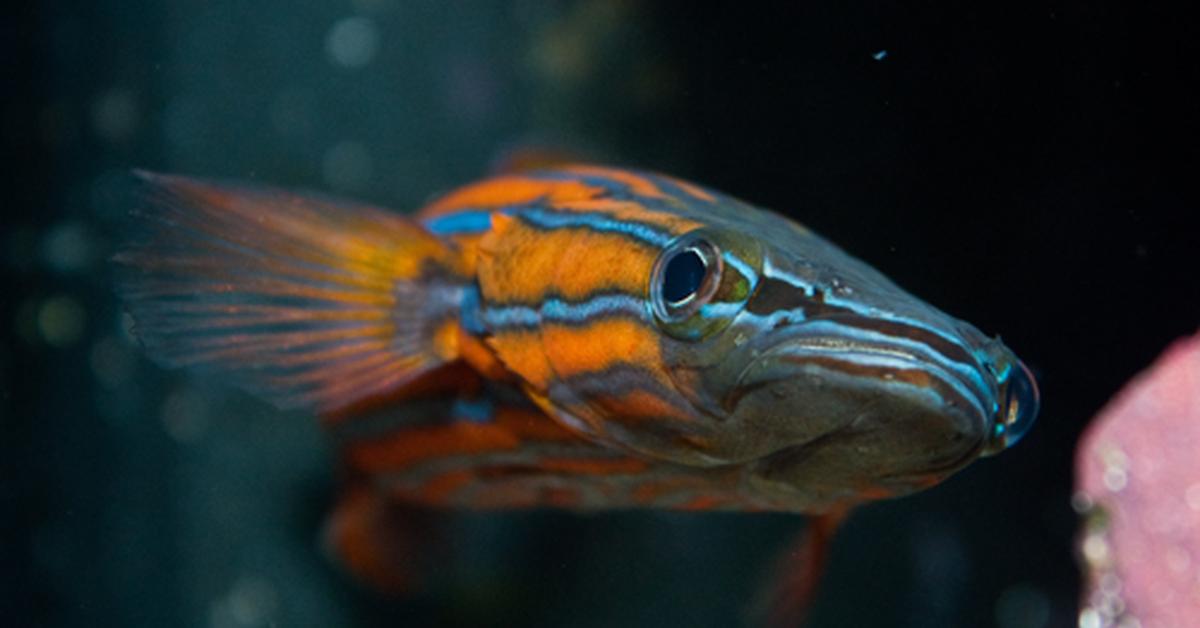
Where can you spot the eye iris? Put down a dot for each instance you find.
(682, 276)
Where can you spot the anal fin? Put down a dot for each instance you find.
(796, 576)
(390, 547)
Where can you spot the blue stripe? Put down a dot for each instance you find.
(741, 267)
(510, 316)
(565, 311)
(469, 311)
(866, 336)
(765, 323)
(774, 272)
(887, 361)
(548, 219)
(479, 410)
(463, 222)
(559, 311)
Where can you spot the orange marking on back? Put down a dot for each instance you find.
(524, 264)
(636, 183)
(600, 345)
(509, 190)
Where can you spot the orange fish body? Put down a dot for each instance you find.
(583, 337)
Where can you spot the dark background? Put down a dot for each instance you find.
(1026, 168)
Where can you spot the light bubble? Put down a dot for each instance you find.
(347, 166)
(69, 246)
(352, 41)
(252, 601)
(1115, 478)
(60, 321)
(1082, 503)
(115, 114)
(1095, 549)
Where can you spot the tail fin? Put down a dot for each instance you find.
(308, 303)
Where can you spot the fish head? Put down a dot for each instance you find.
(820, 376)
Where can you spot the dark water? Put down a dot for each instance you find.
(1027, 168)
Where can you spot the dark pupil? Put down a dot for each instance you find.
(682, 276)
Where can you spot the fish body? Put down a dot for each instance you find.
(580, 337)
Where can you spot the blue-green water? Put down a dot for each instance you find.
(1018, 167)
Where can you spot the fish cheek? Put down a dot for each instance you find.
(872, 445)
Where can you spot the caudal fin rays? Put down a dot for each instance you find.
(309, 303)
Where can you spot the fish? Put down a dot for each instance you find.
(576, 337)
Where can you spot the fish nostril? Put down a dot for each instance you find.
(1017, 413)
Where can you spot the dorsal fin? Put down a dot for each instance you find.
(306, 302)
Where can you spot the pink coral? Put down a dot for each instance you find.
(1138, 475)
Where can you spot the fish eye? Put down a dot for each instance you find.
(685, 278)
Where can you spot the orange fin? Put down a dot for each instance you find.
(387, 546)
(530, 155)
(797, 574)
(306, 302)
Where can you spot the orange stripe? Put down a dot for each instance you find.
(418, 444)
(703, 502)
(439, 489)
(533, 425)
(509, 190)
(475, 352)
(631, 211)
(522, 264)
(521, 351)
(636, 183)
(445, 340)
(584, 466)
(641, 404)
(603, 344)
